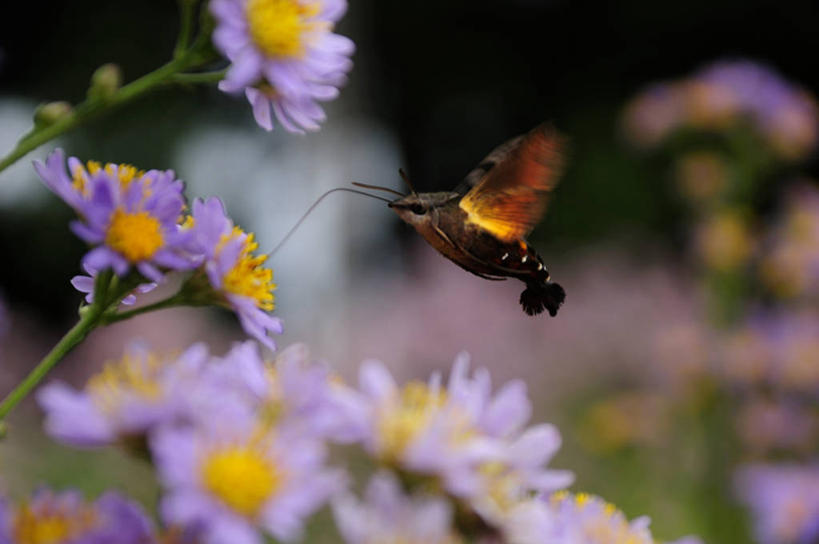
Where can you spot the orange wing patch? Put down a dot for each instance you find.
(511, 198)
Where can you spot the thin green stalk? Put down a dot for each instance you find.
(202, 77)
(89, 319)
(186, 12)
(176, 300)
(96, 106)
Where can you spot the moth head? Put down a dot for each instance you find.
(413, 208)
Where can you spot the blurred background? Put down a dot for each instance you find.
(683, 369)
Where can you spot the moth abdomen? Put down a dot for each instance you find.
(542, 295)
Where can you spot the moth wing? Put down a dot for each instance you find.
(511, 196)
(495, 157)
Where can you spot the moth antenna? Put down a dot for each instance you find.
(378, 188)
(406, 179)
(313, 207)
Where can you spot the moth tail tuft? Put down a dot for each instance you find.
(542, 296)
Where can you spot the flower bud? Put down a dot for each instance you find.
(51, 112)
(106, 80)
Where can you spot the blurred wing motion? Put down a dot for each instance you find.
(510, 187)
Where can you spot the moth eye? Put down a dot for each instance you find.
(417, 209)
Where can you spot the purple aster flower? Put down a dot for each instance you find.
(66, 517)
(125, 399)
(233, 272)
(293, 392)
(471, 440)
(784, 501)
(785, 114)
(131, 217)
(720, 95)
(231, 479)
(388, 515)
(284, 56)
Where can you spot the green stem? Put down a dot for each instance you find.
(89, 318)
(96, 106)
(175, 300)
(202, 77)
(186, 11)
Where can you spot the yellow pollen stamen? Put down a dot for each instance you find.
(50, 526)
(125, 173)
(503, 485)
(248, 277)
(134, 375)
(241, 477)
(280, 27)
(136, 236)
(401, 423)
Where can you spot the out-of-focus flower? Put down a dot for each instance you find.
(745, 356)
(125, 399)
(574, 518)
(65, 517)
(724, 241)
(701, 176)
(786, 115)
(130, 216)
(388, 515)
(474, 443)
(653, 115)
(723, 94)
(779, 350)
(767, 426)
(232, 272)
(284, 56)
(231, 478)
(790, 264)
(685, 351)
(784, 502)
(293, 392)
(626, 419)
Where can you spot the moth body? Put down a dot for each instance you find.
(481, 225)
(440, 220)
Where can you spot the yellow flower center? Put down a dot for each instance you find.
(50, 526)
(241, 477)
(136, 236)
(601, 521)
(278, 27)
(504, 486)
(402, 422)
(133, 374)
(248, 277)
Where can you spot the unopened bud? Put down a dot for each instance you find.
(106, 80)
(51, 112)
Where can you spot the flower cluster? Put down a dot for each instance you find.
(460, 437)
(135, 222)
(240, 446)
(238, 443)
(49, 517)
(724, 95)
(284, 56)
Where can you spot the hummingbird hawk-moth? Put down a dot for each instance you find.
(482, 223)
